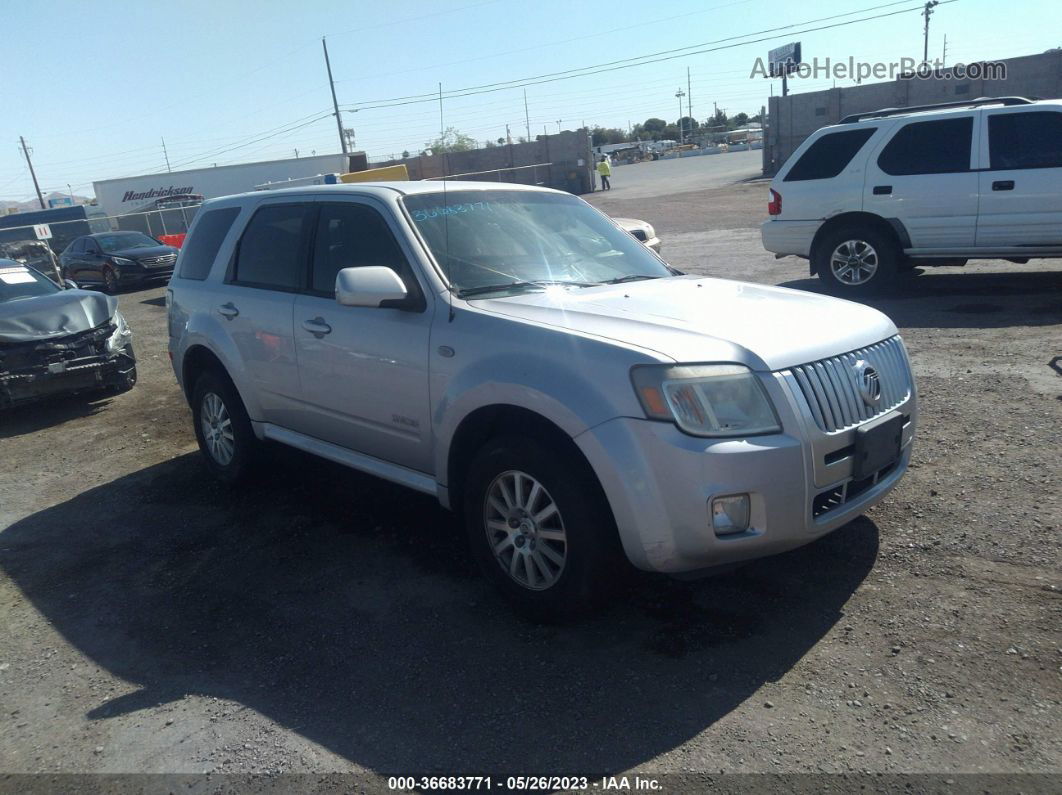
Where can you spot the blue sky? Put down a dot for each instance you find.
(95, 86)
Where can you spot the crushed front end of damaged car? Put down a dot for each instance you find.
(55, 341)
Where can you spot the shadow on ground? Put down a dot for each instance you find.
(344, 608)
(46, 412)
(950, 298)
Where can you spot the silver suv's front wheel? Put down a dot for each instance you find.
(540, 527)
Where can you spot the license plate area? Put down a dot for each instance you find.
(877, 444)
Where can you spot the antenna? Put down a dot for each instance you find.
(446, 214)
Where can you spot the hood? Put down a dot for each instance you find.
(57, 315)
(142, 252)
(696, 319)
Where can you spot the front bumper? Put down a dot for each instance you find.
(139, 274)
(660, 483)
(33, 371)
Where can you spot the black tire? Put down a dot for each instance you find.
(110, 280)
(128, 379)
(593, 561)
(244, 443)
(865, 244)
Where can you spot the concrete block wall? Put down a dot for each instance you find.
(793, 118)
(569, 153)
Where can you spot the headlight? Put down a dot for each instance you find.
(121, 336)
(706, 399)
(121, 262)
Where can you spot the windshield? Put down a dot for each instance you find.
(493, 241)
(121, 241)
(18, 281)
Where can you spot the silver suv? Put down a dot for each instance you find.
(515, 353)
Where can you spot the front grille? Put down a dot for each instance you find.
(165, 259)
(831, 389)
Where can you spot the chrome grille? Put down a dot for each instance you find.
(165, 259)
(831, 389)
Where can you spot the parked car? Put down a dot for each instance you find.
(930, 185)
(641, 230)
(112, 259)
(512, 352)
(35, 254)
(55, 340)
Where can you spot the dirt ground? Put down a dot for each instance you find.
(323, 621)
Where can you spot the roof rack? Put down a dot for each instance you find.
(968, 103)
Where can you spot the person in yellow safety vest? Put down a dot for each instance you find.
(605, 170)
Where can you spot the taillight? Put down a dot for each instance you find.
(774, 206)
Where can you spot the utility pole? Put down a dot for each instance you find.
(680, 94)
(26, 151)
(559, 125)
(296, 154)
(166, 155)
(944, 54)
(348, 133)
(335, 104)
(71, 191)
(927, 12)
(689, 95)
(527, 119)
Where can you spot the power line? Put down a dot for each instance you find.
(640, 60)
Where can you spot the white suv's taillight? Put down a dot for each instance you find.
(774, 206)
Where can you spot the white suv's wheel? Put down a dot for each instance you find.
(540, 528)
(856, 261)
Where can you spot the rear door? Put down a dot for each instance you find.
(364, 370)
(1021, 184)
(255, 306)
(923, 176)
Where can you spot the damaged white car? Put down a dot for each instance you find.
(56, 341)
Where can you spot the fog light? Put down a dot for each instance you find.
(730, 514)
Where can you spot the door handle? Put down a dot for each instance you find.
(317, 327)
(1003, 184)
(228, 310)
(882, 190)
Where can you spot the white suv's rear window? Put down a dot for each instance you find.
(829, 155)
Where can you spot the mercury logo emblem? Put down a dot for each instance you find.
(869, 383)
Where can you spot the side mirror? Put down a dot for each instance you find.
(69, 285)
(369, 286)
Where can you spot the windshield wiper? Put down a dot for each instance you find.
(541, 284)
(634, 277)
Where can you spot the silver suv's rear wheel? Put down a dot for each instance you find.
(222, 427)
(854, 262)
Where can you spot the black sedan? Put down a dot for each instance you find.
(112, 259)
(55, 340)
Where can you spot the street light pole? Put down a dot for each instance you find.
(927, 12)
(680, 94)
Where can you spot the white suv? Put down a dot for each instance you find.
(932, 185)
(513, 352)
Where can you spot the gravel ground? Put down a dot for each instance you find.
(323, 621)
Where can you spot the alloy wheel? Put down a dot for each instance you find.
(217, 429)
(854, 262)
(525, 530)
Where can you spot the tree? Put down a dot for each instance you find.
(688, 124)
(669, 133)
(405, 153)
(451, 140)
(654, 127)
(607, 135)
(739, 120)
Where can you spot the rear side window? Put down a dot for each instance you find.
(829, 155)
(201, 248)
(353, 236)
(929, 147)
(272, 251)
(1025, 140)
